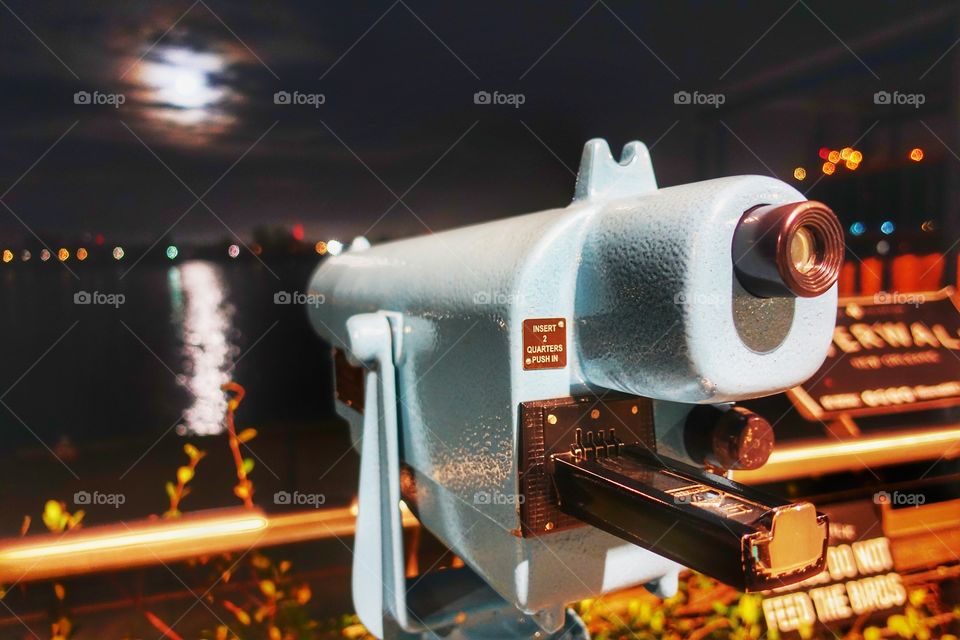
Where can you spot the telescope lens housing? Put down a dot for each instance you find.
(788, 250)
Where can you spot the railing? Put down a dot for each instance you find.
(156, 541)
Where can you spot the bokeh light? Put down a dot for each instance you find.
(82, 254)
(233, 251)
(857, 228)
(799, 173)
(887, 227)
(118, 253)
(7, 255)
(321, 247)
(63, 254)
(916, 154)
(172, 252)
(828, 168)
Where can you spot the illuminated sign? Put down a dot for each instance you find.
(858, 579)
(891, 352)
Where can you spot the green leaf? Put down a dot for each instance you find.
(247, 465)
(247, 435)
(171, 490)
(52, 513)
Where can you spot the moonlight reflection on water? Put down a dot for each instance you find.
(198, 296)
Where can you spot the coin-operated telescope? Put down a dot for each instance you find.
(552, 395)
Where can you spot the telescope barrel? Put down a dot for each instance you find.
(634, 317)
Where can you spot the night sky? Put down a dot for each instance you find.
(399, 146)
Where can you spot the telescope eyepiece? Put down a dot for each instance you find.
(788, 250)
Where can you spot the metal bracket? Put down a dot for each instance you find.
(575, 425)
(379, 585)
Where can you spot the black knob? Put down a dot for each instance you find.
(728, 437)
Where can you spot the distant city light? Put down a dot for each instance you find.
(63, 255)
(81, 254)
(172, 252)
(928, 226)
(118, 253)
(257, 249)
(298, 232)
(799, 173)
(857, 228)
(834, 157)
(25, 255)
(887, 227)
(44, 255)
(233, 251)
(321, 247)
(883, 247)
(99, 239)
(334, 247)
(7, 255)
(828, 168)
(916, 154)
